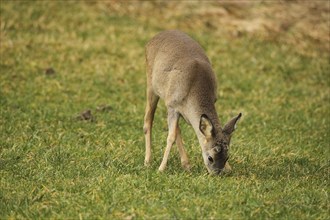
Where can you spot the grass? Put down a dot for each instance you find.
(54, 165)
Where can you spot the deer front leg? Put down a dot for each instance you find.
(172, 118)
(183, 154)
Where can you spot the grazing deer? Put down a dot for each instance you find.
(179, 72)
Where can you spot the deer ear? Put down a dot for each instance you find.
(231, 125)
(206, 127)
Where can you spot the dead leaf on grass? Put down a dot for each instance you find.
(86, 115)
(49, 71)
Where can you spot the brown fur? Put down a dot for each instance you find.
(179, 72)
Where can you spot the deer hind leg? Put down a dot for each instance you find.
(172, 118)
(183, 154)
(151, 106)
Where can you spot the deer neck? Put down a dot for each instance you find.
(193, 115)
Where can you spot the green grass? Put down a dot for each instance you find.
(53, 165)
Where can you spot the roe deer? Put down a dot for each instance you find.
(179, 72)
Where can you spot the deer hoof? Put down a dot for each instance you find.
(186, 166)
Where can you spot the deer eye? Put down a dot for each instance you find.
(210, 159)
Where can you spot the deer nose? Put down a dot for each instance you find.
(217, 171)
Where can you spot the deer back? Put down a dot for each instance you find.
(180, 71)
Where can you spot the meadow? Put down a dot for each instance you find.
(72, 99)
